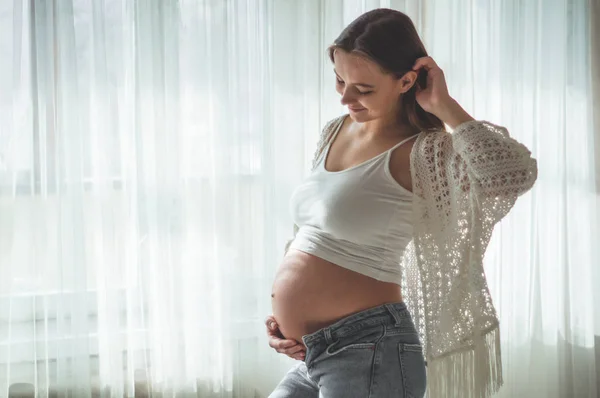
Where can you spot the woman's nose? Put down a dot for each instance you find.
(346, 98)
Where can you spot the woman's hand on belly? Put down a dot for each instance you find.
(291, 348)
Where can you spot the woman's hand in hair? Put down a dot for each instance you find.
(434, 98)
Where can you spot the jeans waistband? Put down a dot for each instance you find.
(386, 314)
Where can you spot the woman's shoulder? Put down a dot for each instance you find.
(329, 129)
(431, 139)
(332, 124)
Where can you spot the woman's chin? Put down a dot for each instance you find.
(358, 114)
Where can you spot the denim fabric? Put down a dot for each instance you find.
(374, 353)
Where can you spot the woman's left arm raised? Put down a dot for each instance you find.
(483, 153)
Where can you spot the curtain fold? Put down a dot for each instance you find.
(148, 150)
(594, 51)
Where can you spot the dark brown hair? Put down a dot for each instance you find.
(390, 39)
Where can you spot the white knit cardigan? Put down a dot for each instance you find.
(463, 184)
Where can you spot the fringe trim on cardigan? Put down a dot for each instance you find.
(472, 372)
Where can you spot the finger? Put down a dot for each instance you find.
(276, 343)
(272, 327)
(281, 344)
(276, 340)
(291, 350)
(270, 323)
(294, 350)
(288, 344)
(299, 357)
(275, 333)
(425, 62)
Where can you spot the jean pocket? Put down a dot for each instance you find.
(335, 348)
(414, 374)
(365, 339)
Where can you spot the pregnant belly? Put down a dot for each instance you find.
(310, 293)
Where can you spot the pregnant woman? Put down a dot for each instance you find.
(382, 293)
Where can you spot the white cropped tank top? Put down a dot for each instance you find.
(358, 218)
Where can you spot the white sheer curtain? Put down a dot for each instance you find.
(140, 203)
(148, 150)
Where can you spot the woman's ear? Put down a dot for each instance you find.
(407, 81)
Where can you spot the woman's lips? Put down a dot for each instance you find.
(356, 109)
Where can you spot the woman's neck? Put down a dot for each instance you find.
(384, 127)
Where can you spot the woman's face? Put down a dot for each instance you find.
(366, 90)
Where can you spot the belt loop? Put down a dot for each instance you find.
(328, 338)
(394, 312)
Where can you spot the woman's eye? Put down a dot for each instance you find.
(341, 82)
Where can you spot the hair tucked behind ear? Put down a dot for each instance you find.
(390, 39)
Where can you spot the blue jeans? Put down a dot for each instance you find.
(374, 353)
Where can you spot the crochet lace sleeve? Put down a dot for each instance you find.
(480, 161)
(499, 164)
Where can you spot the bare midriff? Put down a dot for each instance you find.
(310, 293)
